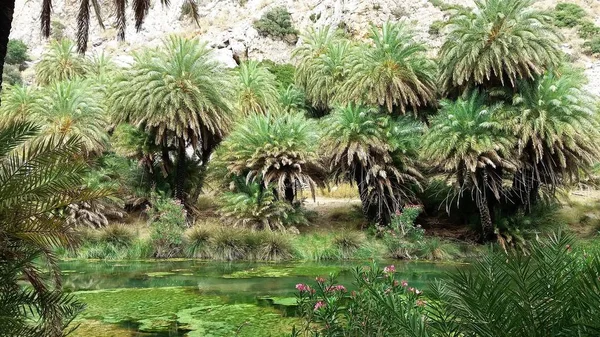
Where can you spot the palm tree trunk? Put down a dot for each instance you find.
(7, 9)
(180, 172)
(487, 226)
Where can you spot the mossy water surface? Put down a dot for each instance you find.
(200, 298)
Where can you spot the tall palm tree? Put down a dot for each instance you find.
(468, 140)
(256, 90)
(74, 109)
(371, 150)
(180, 96)
(393, 71)
(498, 43)
(275, 149)
(558, 130)
(60, 63)
(37, 181)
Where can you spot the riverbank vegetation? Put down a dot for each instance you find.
(479, 146)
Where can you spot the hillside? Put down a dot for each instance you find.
(228, 26)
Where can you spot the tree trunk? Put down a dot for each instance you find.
(180, 172)
(487, 226)
(7, 9)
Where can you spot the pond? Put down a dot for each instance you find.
(199, 298)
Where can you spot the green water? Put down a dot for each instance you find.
(197, 298)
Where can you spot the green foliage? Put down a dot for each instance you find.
(284, 73)
(498, 43)
(588, 29)
(197, 241)
(11, 75)
(167, 220)
(38, 179)
(568, 14)
(16, 52)
(276, 23)
(256, 90)
(292, 100)
(18, 103)
(593, 46)
(61, 62)
(57, 30)
(274, 247)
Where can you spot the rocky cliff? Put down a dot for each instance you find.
(227, 25)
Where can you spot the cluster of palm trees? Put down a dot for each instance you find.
(499, 112)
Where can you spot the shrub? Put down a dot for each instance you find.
(16, 52)
(436, 26)
(348, 242)
(592, 46)
(197, 241)
(167, 219)
(118, 235)
(553, 291)
(11, 75)
(228, 245)
(588, 29)
(284, 73)
(277, 23)
(57, 30)
(274, 247)
(568, 14)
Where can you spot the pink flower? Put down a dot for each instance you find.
(320, 279)
(418, 292)
(421, 303)
(302, 287)
(319, 305)
(404, 283)
(341, 288)
(389, 269)
(411, 289)
(398, 212)
(396, 283)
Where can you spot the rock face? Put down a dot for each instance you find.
(227, 25)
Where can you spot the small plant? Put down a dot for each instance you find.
(284, 73)
(228, 245)
(57, 29)
(568, 14)
(277, 23)
(118, 235)
(588, 29)
(436, 27)
(381, 306)
(167, 219)
(274, 247)
(403, 223)
(16, 52)
(348, 242)
(197, 241)
(592, 46)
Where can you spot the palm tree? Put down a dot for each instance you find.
(292, 99)
(272, 149)
(60, 63)
(374, 152)
(558, 131)
(179, 95)
(469, 140)
(500, 42)
(310, 55)
(73, 109)
(18, 103)
(256, 90)
(392, 72)
(327, 74)
(37, 182)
